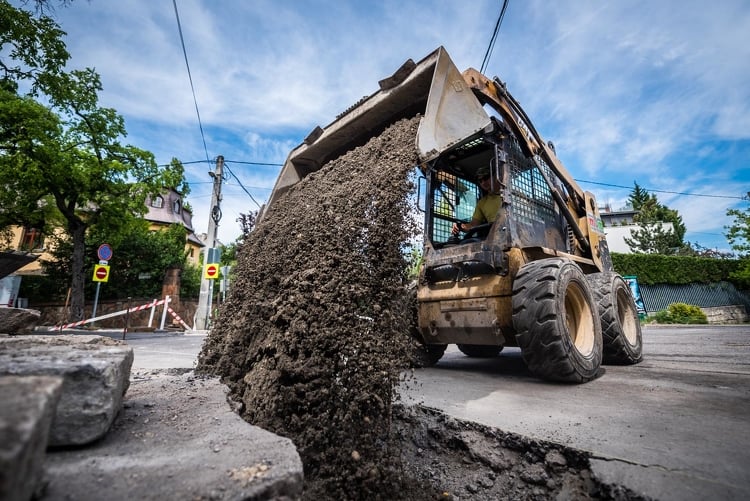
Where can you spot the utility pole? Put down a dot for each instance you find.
(205, 297)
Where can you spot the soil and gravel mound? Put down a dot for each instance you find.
(313, 342)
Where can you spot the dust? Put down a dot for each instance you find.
(311, 340)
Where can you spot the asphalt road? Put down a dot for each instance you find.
(674, 427)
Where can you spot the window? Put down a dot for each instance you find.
(176, 206)
(158, 202)
(453, 199)
(31, 239)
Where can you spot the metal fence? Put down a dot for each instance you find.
(659, 297)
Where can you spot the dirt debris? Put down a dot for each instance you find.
(313, 342)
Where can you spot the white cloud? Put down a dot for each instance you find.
(627, 90)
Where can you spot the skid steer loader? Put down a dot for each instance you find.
(537, 274)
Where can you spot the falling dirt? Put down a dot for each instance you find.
(313, 342)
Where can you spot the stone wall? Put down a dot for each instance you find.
(726, 314)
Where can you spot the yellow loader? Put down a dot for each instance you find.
(536, 273)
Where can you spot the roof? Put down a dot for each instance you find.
(171, 210)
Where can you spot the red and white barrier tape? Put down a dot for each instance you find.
(152, 304)
(177, 317)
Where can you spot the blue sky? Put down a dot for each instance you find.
(654, 92)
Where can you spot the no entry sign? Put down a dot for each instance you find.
(211, 271)
(101, 273)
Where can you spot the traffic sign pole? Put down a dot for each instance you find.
(96, 300)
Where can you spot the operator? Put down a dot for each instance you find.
(487, 206)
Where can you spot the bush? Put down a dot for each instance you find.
(654, 269)
(680, 313)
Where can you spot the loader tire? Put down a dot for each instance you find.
(427, 355)
(621, 328)
(480, 350)
(554, 315)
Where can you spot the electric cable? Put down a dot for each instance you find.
(190, 77)
(663, 191)
(241, 185)
(491, 45)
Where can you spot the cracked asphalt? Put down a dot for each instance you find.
(674, 427)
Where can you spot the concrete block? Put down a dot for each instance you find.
(28, 406)
(95, 372)
(18, 320)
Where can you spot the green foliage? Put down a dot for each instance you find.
(65, 161)
(741, 276)
(190, 282)
(140, 261)
(414, 259)
(660, 269)
(680, 313)
(738, 234)
(651, 237)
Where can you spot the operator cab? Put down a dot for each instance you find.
(454, 190)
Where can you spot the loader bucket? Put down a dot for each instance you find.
(433, 87)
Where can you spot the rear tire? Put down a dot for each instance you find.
(480, 350)
(427, 355)
(554, 318)
(621, 328)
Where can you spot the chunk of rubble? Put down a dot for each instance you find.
(26, 412)
(95, 372)
(18, 320)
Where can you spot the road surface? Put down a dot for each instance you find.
(674, 427)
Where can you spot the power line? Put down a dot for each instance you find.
(190, 77)
(241, 185)
(664, 191)
(254, 163)
(494, 37)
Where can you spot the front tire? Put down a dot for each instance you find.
(480, 350)
(621, 328)
(427, 355)
(554, 318)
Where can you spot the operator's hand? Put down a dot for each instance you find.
(456, 228)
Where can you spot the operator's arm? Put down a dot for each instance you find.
(477, 218)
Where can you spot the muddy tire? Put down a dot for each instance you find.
(621, 328)
(427, 355)
(480, 350)
(554, 315)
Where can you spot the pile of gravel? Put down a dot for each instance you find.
(314, 336)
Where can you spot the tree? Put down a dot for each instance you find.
(738, 235)
(652, 237)
(66, 160)
(638, 197)
(140, 260)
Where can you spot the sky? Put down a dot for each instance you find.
(653, 92)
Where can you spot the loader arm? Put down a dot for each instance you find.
(496, 95)
(580, 210)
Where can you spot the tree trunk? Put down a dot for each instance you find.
(77, 297)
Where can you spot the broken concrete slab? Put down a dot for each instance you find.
(95, 372)
(18, 320)
(28, 406)
(177, 437)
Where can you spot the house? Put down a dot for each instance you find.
(163, 210)
(619, 225)
(168, 208)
